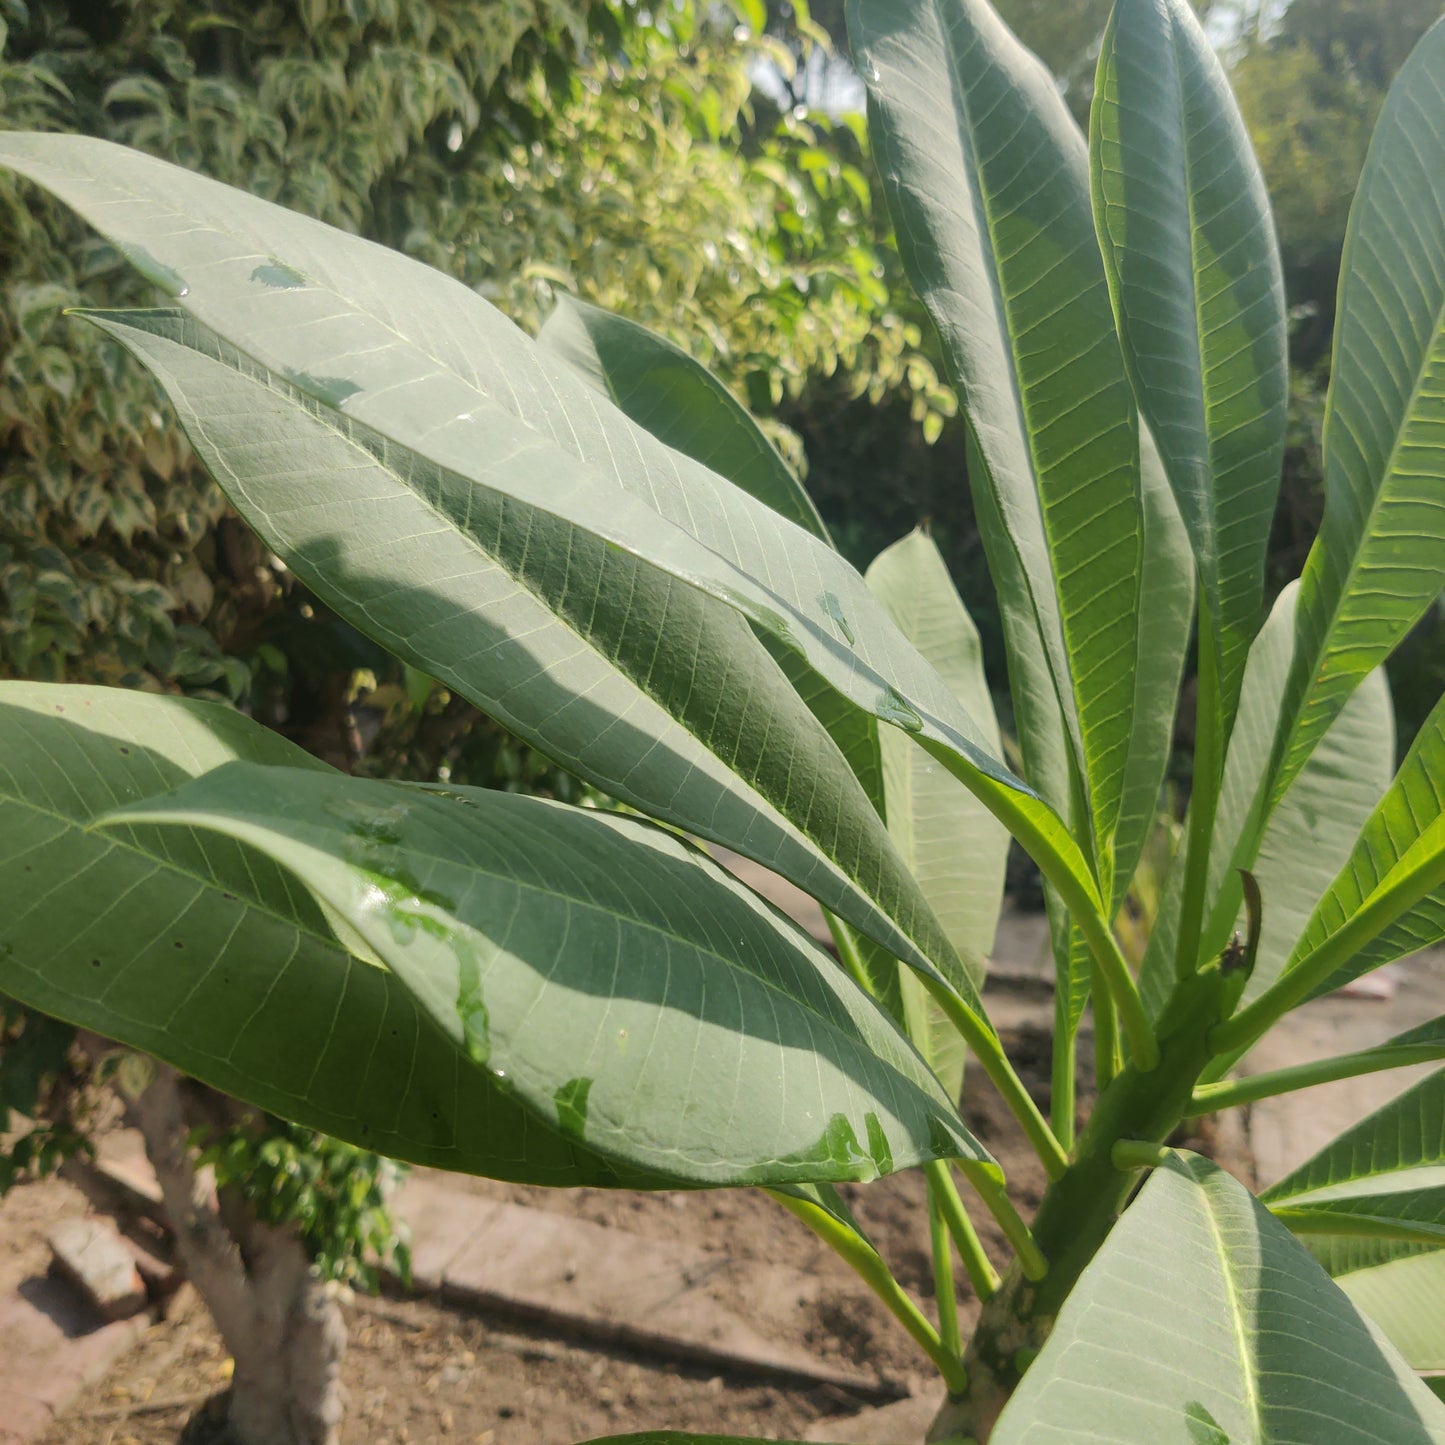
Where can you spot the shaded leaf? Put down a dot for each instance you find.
(202, 952)
(611, 979)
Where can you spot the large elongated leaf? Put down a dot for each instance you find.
(949, 840)
(1390, 1166)
(986, 177)
(607, 975)
(641, 683)
(1414, 803)
(1183, 219)
(1311, 832)
(1403, 1298)
(1379, 560)
(1201, 1319)
(671, 396)
(678, 401)
(955, 849)
(428, 365)
(204, 953)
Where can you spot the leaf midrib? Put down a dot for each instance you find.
(344, 427)
(981, 204)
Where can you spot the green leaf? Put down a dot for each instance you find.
(427, 365)
(1403, 1299)
(677, 400)
(986, 177)
(954, 847)
(1310, 834)
(1183, 221)
(1379, 559)
(1201, 1319)
(676, 1437)
(570, 642)
(204, 953)
(1389, 1166)
(1413, 805)
(681, 403)
(611, 979)
(951, 843)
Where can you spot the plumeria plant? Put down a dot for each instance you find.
(586, 536)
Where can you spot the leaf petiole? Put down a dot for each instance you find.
(868, 1264)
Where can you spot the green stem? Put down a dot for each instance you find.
(989, 1188)
(942, 1191)
(1130, 1154)
(1203, 799)
(848, 954)
(866, 1262)
(987, 1049)
(1065, 868)
(1356, 1226)
(943, 1294)
(1106, 1035)
(1387, 903)
(1063, 1102)
(1078, 1211)
(1209, 1097)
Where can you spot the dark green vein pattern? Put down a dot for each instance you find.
(1379, 560)
(643, 684)
(1391, 1164)
(602, 972)
(1184, 222)
(206, 954)
(986, 179)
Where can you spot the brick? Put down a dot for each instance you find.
(91, 1253)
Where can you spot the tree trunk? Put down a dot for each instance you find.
(282, 1325)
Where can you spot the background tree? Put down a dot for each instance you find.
(525, 146)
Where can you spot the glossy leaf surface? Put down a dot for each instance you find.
(1388, 1167)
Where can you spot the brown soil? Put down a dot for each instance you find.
(419, 1371)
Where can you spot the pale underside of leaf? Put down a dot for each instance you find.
(430, 365)
(619, 985)
(1388, 1165)
(1311, 834)
(646, 686)
(1412, 805)
(1184, 221)
(677, 400)
(1202, 1319)
(985, 174)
